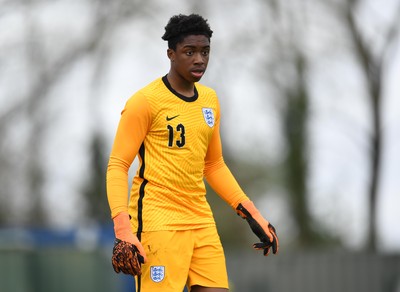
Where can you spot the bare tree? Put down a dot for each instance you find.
(288, 74)
(373, 62)
(30, 115)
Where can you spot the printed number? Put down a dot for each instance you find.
(181, 142)
(179, 128)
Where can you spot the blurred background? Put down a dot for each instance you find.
(310, 99)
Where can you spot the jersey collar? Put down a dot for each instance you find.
(181, 96)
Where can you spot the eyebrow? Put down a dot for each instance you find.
(192, 46)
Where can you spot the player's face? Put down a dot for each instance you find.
(190, 59)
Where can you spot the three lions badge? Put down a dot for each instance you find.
(157, 273)
(208, 115)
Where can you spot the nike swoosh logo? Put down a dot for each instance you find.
(171, 118)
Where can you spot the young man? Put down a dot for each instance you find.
(166, 235)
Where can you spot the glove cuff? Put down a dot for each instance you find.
(247, 209)
(122, 226)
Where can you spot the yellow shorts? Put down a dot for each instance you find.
(182, 257)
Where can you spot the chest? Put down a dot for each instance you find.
(184, 124)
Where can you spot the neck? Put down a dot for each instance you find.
(180, 85)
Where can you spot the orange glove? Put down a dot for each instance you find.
(123, 232)
(261, 227)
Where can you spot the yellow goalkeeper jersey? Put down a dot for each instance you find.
(177, 141)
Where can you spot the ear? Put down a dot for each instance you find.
(171, 54)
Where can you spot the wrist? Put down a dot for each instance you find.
(246, 209)
(122, 226)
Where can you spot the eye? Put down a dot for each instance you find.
(189, 53)
(205, 53)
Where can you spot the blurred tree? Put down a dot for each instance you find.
(288, 74)
(43, 73)
(374, 59)
(288, 23)
(295, 122)
(30, 114)
(95, 189)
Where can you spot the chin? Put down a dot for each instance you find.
(192, 79)
(195, 79)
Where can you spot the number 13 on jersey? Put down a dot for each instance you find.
(171, 133)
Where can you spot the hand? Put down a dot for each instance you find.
(126, 258)
(261, 227)
(128, 252)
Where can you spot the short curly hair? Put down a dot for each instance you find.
(180, 26)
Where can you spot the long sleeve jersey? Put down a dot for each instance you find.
(177, 141)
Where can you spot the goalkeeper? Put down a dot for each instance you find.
(166, 235)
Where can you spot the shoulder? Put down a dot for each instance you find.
(154, 88)
(202, 89)
(208, 96)
(146, 93)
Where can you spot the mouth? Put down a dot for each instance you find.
(197, 73)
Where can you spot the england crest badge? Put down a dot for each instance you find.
(208, 115)
(157, 273)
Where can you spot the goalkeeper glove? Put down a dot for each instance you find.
(128, 252)
(261, 227)
(126, 258)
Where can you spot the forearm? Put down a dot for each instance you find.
(117, 194)
(222, 181)
(117, 185)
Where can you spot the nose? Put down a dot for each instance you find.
(199, 58)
